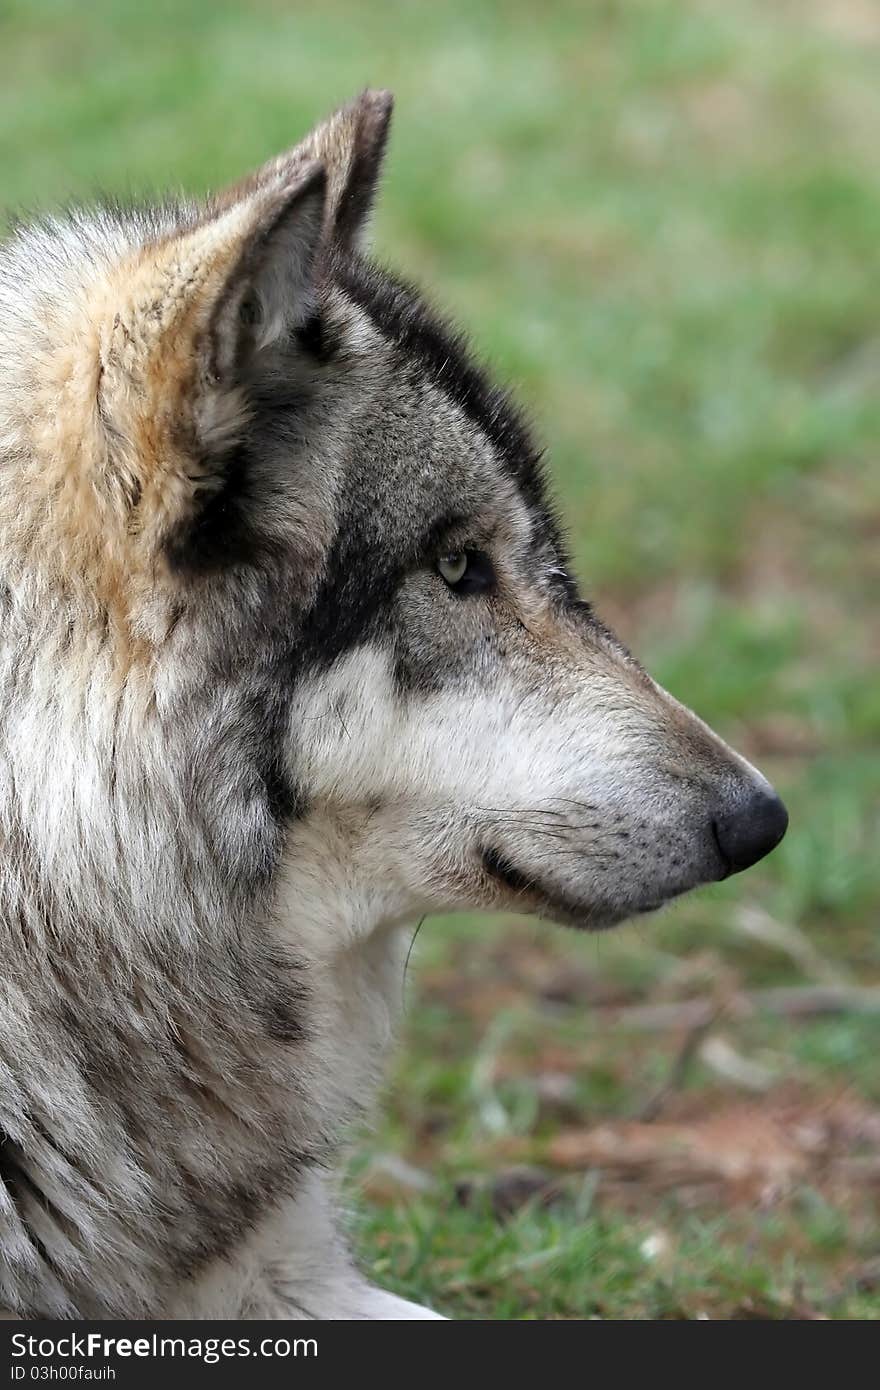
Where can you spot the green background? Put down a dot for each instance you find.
(661, 223)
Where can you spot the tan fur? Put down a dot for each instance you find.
(112, 438)
(125, 410)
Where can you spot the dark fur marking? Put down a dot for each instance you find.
(278, 1002)
(281, 797)
(402, 315)
(319, 339)
(229, 1213)
(347, 607)
(8, 1166)
(19, 1186)
(223, 534)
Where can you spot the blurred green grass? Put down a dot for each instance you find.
(661, 222)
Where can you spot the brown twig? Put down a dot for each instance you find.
(809, 1001)
(651, 1107)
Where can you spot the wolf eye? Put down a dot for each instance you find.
(467, 571)
(453, 567)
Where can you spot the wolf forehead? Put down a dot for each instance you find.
(190, 390)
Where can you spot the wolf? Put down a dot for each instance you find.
(291, 654)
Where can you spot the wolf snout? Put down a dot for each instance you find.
(749, 827)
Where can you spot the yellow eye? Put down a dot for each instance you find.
(453, 567)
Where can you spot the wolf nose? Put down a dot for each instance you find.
(750, 829)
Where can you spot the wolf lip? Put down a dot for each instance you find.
(500, 868)
(578, 915)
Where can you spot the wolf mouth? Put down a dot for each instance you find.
(550, 903)
(499, 867)
(586, 916)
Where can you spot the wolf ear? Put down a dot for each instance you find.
(274, 233)
(350, 145)
(183, 322)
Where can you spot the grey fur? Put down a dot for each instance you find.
(247, 732)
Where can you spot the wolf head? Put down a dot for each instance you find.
(279, 574)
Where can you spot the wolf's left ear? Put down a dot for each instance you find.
(350, 146)
(191, 313)
(267, 288)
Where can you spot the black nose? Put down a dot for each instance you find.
(750, 829)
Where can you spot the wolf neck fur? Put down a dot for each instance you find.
(353, 927)
(195, 1089)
